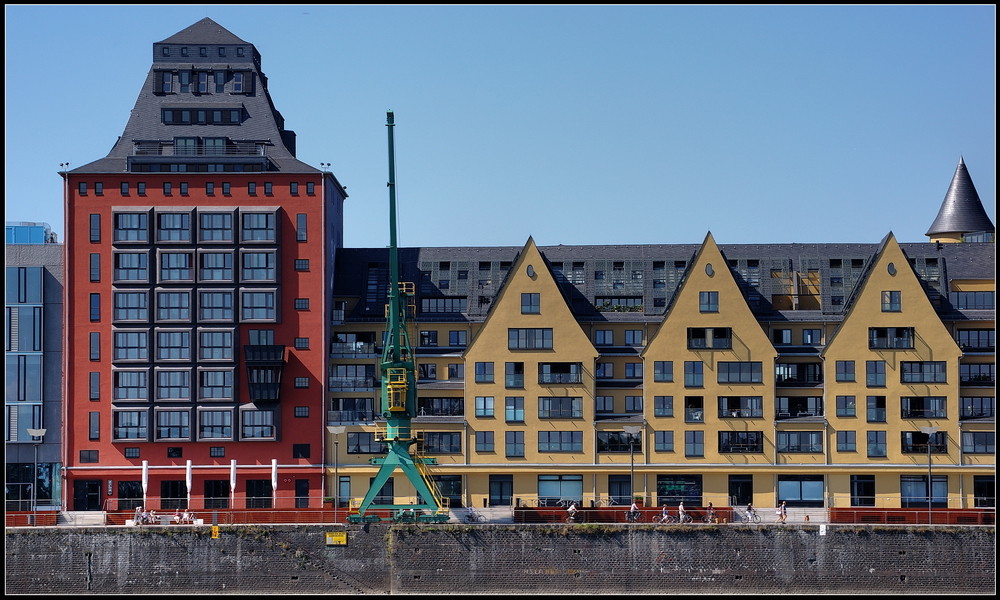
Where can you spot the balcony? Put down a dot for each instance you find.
(265, 365)
(352, 384)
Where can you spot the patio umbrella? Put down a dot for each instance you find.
(187, 478)
(145, 481)
(274, 481)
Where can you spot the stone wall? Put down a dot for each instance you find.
(450, 559)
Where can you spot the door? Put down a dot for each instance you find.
(87, 494)
(501, 490)
(740, 489)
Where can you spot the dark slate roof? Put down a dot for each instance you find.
(263, 122)
(937, 265)
(962, 211)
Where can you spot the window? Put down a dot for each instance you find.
(484, 372)
(560, 441)
(173, 306)
(209, 189)
(514, 375)
(978, 442)
(741, 442)
(130, 425)
(89, 456)
(456, 371)
(176, 266)
(923, 372)
(268, 188)
(251, 189)
(428, 338)
(973, 300)
(781, 336)
(800, 441)
(812, 337)
(529, 339)
(310, 188)
(693, 373)
(741, 407)
(302, 304)
(709, 338)
(633, 337)
(604, 337)
(847, 441)
(124, 188)
(708, 302)
(633, 404)
(173, 345)
(215, 345)
(173, 425)
(427, 371)
(891, 302)
(301, 221)
(514, 409)
(131, 227)
(258, 227)
(846, 406)
(924, 407)
(976, 407)
(215, 384)
(663, 441)
(457, 338)
(173, 227)
(184, 185)
(131, 345)
(484, 406)
(215, 425)
(663, 370)
(301, 264)
(257, 424)
(875, 373)
(436, 442)
(740, 372)
(142, 188)
(258, 266)
(876, 444)
(977, 340)
(215, 306)
(95, 227)
(605, 370)
(258, 306)
(98, 189)
(300, 451)
(95, 345)
(484, 441)
(876, 409)
(560, 407)
(917, 442)
(167, 187)
(95, 385)
(979, 374)
(694, 443)
(130, 385)
(530, 304)
(663, 406)
(215, 266)
(633, 370)
(95, 308)
(215, 227)
(845, 370)
(514, 444)
(890, 338)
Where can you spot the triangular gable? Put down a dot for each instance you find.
(890, 270)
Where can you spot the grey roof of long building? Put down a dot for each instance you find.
(961, 211)
(936, 264)
(263, 121)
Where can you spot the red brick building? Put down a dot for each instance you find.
(199, 264)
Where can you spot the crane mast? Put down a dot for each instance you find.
(398, 401)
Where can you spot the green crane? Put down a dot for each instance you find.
(398, 403)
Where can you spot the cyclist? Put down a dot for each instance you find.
(633, 513)
(750, 511)
(571, 511)
(681, 513)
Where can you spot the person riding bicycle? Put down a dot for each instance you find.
(750, 511)
(633, 512)
(571, 511)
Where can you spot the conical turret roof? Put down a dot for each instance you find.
(962, 211)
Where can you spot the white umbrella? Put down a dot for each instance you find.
(232, 483)
(187, 478)
(145, 480)
(274, 482)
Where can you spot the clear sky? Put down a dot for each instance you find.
(578, 124)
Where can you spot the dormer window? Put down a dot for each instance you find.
(239, 52)
(222, 51)
(203, 82)
(238, 83)
(165, 51)
(166, 79)
(184, 51)
(185, 81)
(203, 51)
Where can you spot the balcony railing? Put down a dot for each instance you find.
(356, 383)
(554, 378)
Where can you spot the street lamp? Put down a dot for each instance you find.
(632, 431)
(37, 435)
(336, 430)
(930, 486)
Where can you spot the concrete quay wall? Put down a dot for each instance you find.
(479, 559)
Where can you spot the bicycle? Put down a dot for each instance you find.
(709, 517)
(474, 517)
(751, 517)
(664, 519)
(633, 516)
(686, 518)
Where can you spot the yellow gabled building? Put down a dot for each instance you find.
(699, 373)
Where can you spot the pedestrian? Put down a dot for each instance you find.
(664, 514)
(782, 512)
(137, 519)
(681, 513)
(711, 513)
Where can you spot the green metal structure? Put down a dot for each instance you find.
(399, 395)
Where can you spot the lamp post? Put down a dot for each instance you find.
(336, 430)
(37, 435)
(930, 485)
(632, 431)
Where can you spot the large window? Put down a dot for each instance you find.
(173, 425)
(530, 303)
(557, 407)
(514, 409)
(694, 373)
(173, 227)
(741, 407)
(875, 373)
(131, 266)
(740, 372)
(514, 444)
(694, 443)
(924, 372)
(258, 306)
(529, 339)
(484, 372)
(215, 424)
(258, 266)
(131, 345)
(437, 442)
(514, 375)
(800, 441)
(216, 227)
(131, 306)
(215, 306)
(257, 424)
(173, 385)
(977, 340)
(215, 266)
(750, 442)
(713, 338)
(708, 301)
(560, 441)
(924, 407)
(801, 490)
(979, 442)
(173, 306)
(130, 425)
(484, 406)
(663, 371)
(131, 227)
(979, 374)
(258, 227)
(876, 444)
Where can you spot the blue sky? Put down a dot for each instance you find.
(583, 124)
